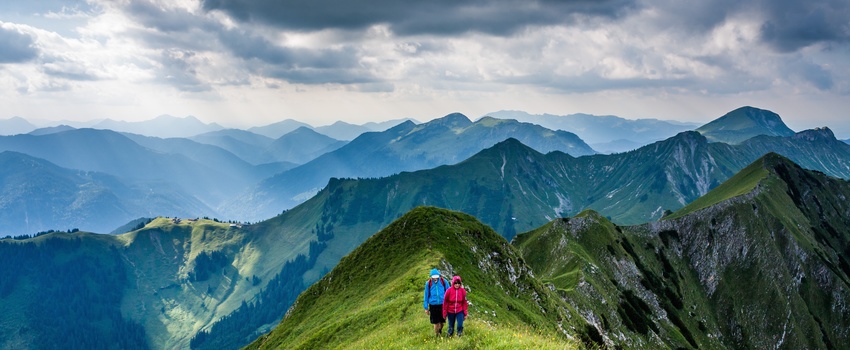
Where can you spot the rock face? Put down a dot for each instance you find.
(766, 269)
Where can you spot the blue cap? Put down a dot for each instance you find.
(435, 273)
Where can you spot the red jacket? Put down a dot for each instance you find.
(455, 300)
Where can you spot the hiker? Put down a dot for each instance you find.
(435, 290)
(455, 306)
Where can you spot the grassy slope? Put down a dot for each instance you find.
(162, 254)
(596, 267)
(158, 259)
(783, 243)
(741, 183)
(373, 298)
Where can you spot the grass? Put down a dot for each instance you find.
(373, 297)
(742, 183)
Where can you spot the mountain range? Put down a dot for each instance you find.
(193, 282)
(297, 147)
(773, 228)
(606, 134)
(213, 171)
(405, 147)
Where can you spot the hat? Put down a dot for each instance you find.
(435, 273)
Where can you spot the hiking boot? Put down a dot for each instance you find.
(459, 334)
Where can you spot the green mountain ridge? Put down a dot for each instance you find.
(678, 283)
(774, 229)
(373, 297)
(682, 274)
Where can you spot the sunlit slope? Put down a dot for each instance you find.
(373, 297)
(165, 281)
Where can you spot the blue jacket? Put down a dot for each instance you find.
(437, 292)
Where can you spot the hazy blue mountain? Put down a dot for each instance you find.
(595, 129)
(341, 130)
(161, 126)
(37, 195)
(616, 146)
(224, 161)
(296, 147)
(278, 129)
(406, 147)
(113, 153)
(345, 131)
(743, 123)
(51, 130)
(302, 145)
(846, 141)
(15, 125)
(382, 126)
(245, 144)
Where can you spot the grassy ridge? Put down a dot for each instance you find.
(373, 298)
(743, 182)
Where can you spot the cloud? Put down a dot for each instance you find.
(413, 17)
(178, 70)
(16, 47)
(791, 25)
(809, 72)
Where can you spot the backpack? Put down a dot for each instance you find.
(430, 283)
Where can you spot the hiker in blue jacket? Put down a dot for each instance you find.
(435, 289)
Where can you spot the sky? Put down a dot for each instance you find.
(255, 62)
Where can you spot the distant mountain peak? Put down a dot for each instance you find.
(822, 133)
(744, 123)
(454, 120)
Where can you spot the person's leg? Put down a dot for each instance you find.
(460, 324)
(451, 323)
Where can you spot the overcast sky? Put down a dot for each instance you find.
(254, 62)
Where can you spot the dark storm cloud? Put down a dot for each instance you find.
(297, 65)
(16, 47)
(248, 46)
(794, 24)
(442, 17)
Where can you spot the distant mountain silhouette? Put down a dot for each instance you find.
(51, 130)
(607, 132)
(278, 129)
(15, 125)
(161, 126)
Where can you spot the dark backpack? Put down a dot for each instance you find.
(430, 283)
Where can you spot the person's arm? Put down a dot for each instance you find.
(425, 297)
(446, 303)
(465, 304)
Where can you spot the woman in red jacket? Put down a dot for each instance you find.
(455, 306)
